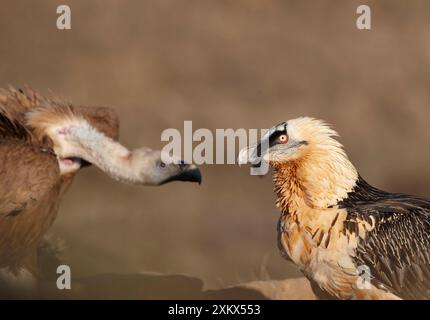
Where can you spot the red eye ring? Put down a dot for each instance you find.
(283, 138)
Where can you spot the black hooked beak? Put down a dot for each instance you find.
(189, 172)
(252, 155)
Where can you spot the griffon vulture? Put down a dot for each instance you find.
(43, 144)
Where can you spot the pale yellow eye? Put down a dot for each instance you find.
(283, 138)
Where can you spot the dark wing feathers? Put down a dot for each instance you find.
(28, 169)
(10, 127)
(19, 101)
(397, 250)
(13, 105)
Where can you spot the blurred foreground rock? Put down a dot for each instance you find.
(289, 289)
(159, 286)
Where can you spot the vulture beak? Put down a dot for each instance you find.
(189, 172)
(255, 155)
(251, 155)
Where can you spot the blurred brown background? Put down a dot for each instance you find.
(221, 64)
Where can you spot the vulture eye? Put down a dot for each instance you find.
(283, 138)
(162, 164)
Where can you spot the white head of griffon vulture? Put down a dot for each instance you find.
(43, 144)
(351, 240)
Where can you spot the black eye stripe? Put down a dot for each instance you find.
(275, 135)
(278, 130)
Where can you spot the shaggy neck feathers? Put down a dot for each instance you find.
(318, 180)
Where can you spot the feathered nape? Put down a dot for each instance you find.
(13, 106)
(43, 119)
(25, 108)
(322, 175)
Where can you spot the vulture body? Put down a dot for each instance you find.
(351, 240)
(43, 144)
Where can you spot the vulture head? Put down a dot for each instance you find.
(154, 171)
(304, 152)
(291, 141)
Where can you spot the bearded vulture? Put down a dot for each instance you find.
(339, 230)
(43, 144)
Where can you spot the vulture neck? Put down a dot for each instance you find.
(110, 156)
(319, 180)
